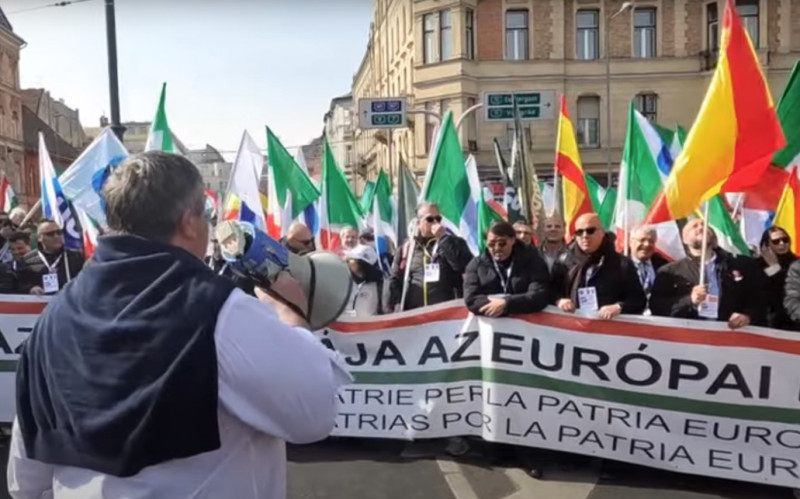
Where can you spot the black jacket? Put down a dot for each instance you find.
(527, 286)
(32, 268)
(776, 316)
(615, 280)
(791, 300)
(741, 288)
(452, 255)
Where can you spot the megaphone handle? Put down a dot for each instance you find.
(281, 299)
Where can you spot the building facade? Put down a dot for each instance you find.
(135, 136)
(216, 172)
(339, 130)
(62, 119)
(601, 54)
(11, 140)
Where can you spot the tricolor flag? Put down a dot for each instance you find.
(338, 206)
(291, 194)
(486, 216)
(382, 220)
(787, 217)
(212, 203)
(243, 201)
(568, 164)
(729, 236)
(8, 198)
(407, 198)
(54, 205)
(83, 181)
(448, 184)
(646, 161)
(160, 136)
(90, 232)
(735, 135)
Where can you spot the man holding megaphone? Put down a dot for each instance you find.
(150, 375)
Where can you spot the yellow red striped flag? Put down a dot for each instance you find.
(568, 163)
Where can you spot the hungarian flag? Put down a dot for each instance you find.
(735, 135)
(729, 235)
(8, 198)
(568, 164)
(160, 136)
(338, 206)
(486, 216)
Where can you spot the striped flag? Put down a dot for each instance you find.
(787, 217)
(160, 136)
(54, 204)
(338, 207)
(568, 164)
(243, 201)
(8, 198)
(735, 135)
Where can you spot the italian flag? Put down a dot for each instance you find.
(729, 235)
(160, 136)
(8, 198)
(338, 206)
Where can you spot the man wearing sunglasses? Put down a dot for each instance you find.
(299, 239)
(47, 269)
(732, 289)
(591, 278)
(430, 268)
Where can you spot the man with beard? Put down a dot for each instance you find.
(592, 278)
(731, 286)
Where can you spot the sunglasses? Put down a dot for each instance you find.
(433, 219)
(497, 244)
(53, 233)
(307, 242)
(780, 240)
(589, 231)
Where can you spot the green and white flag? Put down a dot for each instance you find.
(160, 136)
(729, 235)
(338, 206)
(788, 113)
(602, 201)
(645, 163)
(486, 216)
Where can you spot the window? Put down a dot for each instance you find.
(516, 35)
(445, 35)
(469, 20)
(647, 104)
(430, 125)
(588, 37)
(472, 121)
(428, 39)
(644, 33)
(712, 28)
(748, 13)
(589, 121)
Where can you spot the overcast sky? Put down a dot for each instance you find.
(229, 65)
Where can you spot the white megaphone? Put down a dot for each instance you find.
(324, 277)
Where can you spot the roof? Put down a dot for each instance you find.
(32, 98)
(56, 146)
(4, 22)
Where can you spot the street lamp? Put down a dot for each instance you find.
(113, 80)
(625, 6)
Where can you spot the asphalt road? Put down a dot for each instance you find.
(376, 469)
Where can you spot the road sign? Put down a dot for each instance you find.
(388, 112)
(532, 105)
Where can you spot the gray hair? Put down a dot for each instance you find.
(148, 194)
(429, 205)
(645, 229)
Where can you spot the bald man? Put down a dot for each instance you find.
(299, 239)
(591, 278)
(730, 291)
(553, 244)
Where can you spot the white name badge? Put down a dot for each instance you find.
(709, 308)
(587, 299)
(432, 272)
(50, 283)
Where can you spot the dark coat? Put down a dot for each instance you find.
(615, 280)
(528, 284)
(452, 255)
(741, 288)
(776, 316)
(791, 300)
(32, 268)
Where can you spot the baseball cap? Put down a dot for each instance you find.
(364, 253)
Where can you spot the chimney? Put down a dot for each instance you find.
(103, 121)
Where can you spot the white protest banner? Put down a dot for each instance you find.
(689, 396)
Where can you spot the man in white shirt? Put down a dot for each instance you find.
(152, 377)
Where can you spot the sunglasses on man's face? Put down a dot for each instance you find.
(53, 233)
(433, 219)
(589, 231)
(780, 240)
(497, 244)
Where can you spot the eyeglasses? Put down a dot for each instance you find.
(53, 233)
(780, 240)
(589, 231)
(433, 218)
(497, 244)
(307, 242)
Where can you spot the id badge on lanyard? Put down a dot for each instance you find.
(504, 281)
(50, 280)
(432, 271)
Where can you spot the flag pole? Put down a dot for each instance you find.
(705, 245)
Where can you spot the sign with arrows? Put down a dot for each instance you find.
(385, 112)
(532, 105)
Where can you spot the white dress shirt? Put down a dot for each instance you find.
(276, 383)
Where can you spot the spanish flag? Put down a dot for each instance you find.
(735, 134)
(787, 216)
(568, 164)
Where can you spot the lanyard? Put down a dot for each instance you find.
(432, 254)
(51, 268)
(505, 282)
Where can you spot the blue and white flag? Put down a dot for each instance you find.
(83, 181)
(54, 205)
